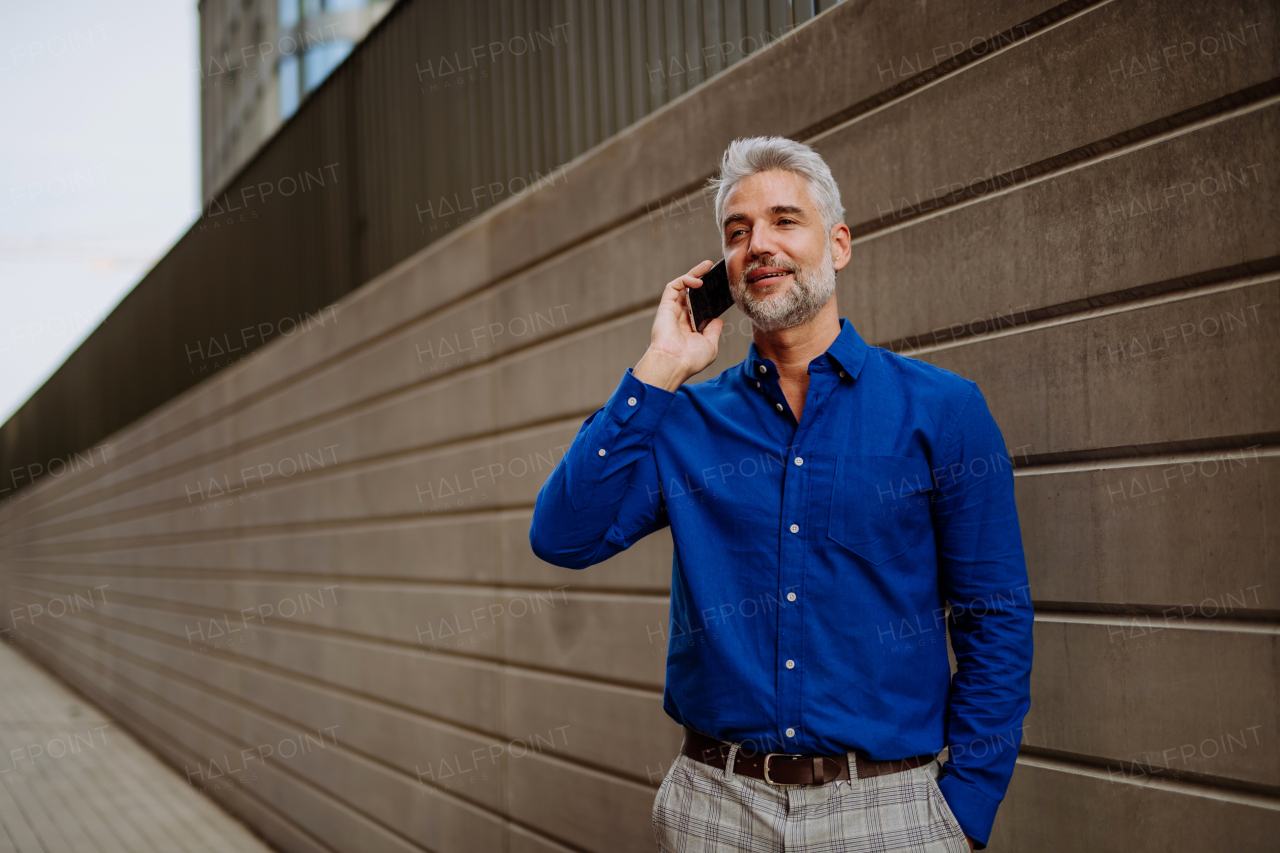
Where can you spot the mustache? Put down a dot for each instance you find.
(789, 266)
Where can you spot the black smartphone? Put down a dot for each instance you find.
(712, 299)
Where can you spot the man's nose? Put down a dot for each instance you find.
(761, 244)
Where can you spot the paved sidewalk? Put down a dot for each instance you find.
(72, 781)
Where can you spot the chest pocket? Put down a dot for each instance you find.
(880, 505)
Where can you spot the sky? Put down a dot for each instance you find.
(99, 167)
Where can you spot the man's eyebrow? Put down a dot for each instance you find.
(776, 209)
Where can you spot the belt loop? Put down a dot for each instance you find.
(853, 766)
(728, 764)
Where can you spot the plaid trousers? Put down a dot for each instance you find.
(702, 809)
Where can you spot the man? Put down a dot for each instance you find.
(835, 507)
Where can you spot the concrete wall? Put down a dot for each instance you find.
(1081, 218)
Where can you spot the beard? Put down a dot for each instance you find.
(800, 304)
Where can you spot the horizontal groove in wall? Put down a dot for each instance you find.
(372, 462)
(1156, 618)
(396, 584)
(266, 531)
(38, 568)
(1170, 127)
(898, 92)
(573, 419)
(284, 675)
(378, 643)
(1185, 287)
(1249, 619)
(1199, 285)
(1225, 447)
(1270, 99)
(1220, 448)
(1015, 35)
(1152, 616)
(479, 661)
(1146, 618)
(1104, 769)
(452, 727)
(514, 354)
(1100, 768)
(1222, 282)
(1115, 771)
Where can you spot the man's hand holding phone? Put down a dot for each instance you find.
(676, 350)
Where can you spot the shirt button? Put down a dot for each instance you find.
(842, 374)
(795, 528)
(791, 732)
(799, 461)
(779, 405)
(601, 451)
(791, 664)
(631, 401)
(757, 383)
(763, 369)
(791, 596)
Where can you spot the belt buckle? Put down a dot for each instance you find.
(777, 755)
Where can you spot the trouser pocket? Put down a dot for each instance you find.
(659, 803)
(940, 811)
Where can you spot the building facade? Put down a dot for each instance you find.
(258, 60)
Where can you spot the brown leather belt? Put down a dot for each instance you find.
(778, 768)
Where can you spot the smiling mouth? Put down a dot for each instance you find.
(767, 276)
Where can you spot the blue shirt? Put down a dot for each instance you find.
(814, 561)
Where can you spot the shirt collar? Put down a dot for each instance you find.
(848, 351)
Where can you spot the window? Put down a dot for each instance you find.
(321, 59)
(344, 5)
(288, 14)
(290, 91)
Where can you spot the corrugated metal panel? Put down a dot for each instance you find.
(443, 111)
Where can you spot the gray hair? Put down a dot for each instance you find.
(746, 157)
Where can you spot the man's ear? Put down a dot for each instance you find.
(840, 248)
